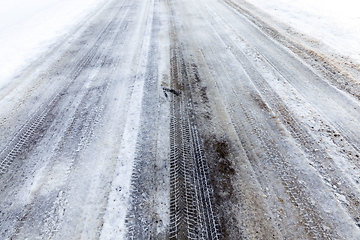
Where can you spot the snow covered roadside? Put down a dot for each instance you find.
(333, 22)
(29, 28)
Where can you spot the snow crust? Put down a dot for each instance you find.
(29, 28)
(333, 22)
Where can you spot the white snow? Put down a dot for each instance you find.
(114, 219)
(333, 22)
(29, 28)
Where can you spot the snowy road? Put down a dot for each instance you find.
(184, 119)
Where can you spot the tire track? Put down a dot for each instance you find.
(253, 134)
(132, 198)
(87, 116)
(191, 209)
(25, 136)
(301, 76)
(311, 218)
(273, 103)
(337, 73)
(89, 106)
(140, 220)
(192, 213)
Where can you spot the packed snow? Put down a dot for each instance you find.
(333, 22)
(29, 28)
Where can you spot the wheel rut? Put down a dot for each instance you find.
(192, 215)
(192, 212)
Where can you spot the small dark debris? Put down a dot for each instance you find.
(170, 91)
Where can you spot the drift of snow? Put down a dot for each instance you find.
(29, 28)
(333, 22)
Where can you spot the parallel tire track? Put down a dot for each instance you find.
(140, 220)
(308, 144)
(192, 213)
(24, 136)
(85, 118)
(246, 124)
(30, 129)
(311, 218)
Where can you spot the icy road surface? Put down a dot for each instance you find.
(185, 119)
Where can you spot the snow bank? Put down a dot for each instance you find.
(333, 22)
(28, 28)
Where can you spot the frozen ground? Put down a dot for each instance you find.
(333, 22)
(179, 119)
(30, 28)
